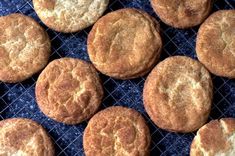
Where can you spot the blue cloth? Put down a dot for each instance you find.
(18, 100)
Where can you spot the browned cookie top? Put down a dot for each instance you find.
(117, 131)
(24, 47)
(215, 44)
(69, 15)
(217, 138)
(24, 137)
(178, 94)
(125, 44)
(69, 90)
(182, 13)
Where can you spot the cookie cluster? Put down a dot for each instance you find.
(123, 44)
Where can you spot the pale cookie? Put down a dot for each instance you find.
(178, 94)
(69, 15)
(24, 48)
(182, 13)
(24, 137)
(125, 44)
(69, 90)
(217, 138)
(116, 131)
(215, 44)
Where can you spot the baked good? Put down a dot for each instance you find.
(178, 94)
(215, 138)
(69, 15)
(24, 47)
(182, 13)
(69, 90)
(116, 131)
(125, 44)
(24, 137)
(215, 45)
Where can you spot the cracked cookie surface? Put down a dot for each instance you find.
(182, 13)
(125, 44)
(24, 48)
(24, 137)
(116, 131)
(69, 15)
(69, 90)
(217, 138)
(178, 94)
(215, 44)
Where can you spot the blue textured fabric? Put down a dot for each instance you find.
(18, 100)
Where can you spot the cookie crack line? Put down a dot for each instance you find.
(15, 140)
(185, 112)
(118, 59)
(25, 47)
(218, 143)
(69, 90)
(64, 15)
(182, 14)
(218, 54)
(118, 123)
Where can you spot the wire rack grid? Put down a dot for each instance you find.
(18, 100)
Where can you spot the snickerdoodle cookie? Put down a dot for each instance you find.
(125, 44)
(178, 94)
(116, 131)
(215, 44)
(182, 13)
(24, 48)
(24, 137)
(69, 90)
(69, 15)
(217, 138)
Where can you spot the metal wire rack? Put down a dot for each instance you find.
(18, 100)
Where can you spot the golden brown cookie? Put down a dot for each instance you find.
(24, 137)
(182, 13)
(215, 44)
(217, 138)
(69, 90)
(69, 15)
(125, 44)
(118, 131)
(178, 94)
(24, 48)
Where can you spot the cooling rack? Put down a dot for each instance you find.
(18, 100)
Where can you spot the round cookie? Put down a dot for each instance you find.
(125, 44)
(24, 137)
(178, 94)
(116, 131)
(215, 138)
(69, 15)
(215, 45)
(24, 48)
(69, 90)
(182, 13)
